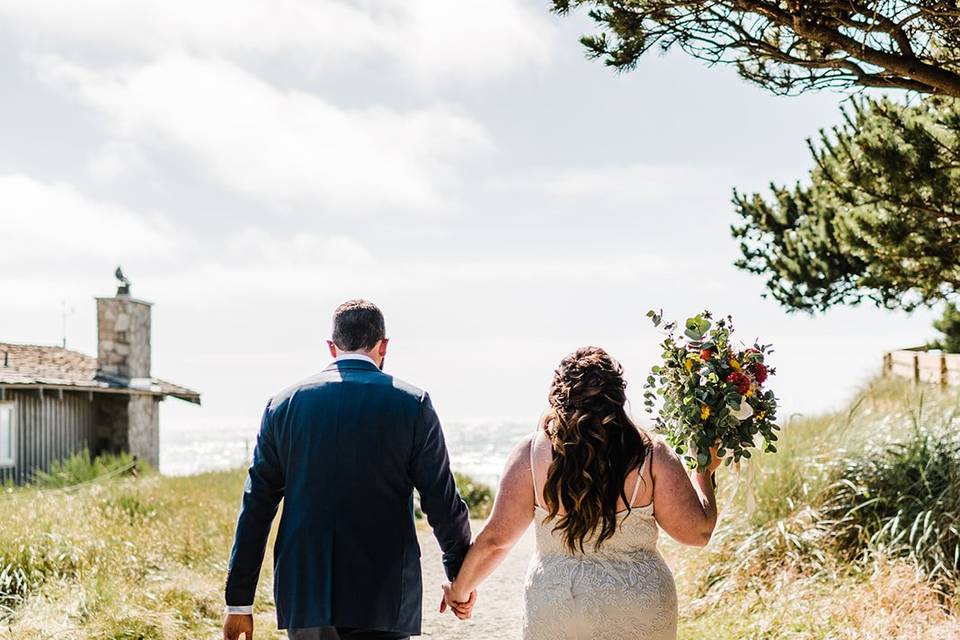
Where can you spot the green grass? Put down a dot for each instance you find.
(856, 519)
(134, 557)
(129, 557)
(807, 550)
(80, 468)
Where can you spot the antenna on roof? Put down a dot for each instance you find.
(63, 317)
(124, 288)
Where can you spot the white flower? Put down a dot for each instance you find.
(744, 411)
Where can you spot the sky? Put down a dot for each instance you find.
(253, 163)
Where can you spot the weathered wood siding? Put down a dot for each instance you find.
(48, 428)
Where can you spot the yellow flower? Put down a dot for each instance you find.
(761, 415)
(704, 412)
(688, 365)
(748, 394)
(734, 364)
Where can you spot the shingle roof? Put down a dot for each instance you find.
(35, 365)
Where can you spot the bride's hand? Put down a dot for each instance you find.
(715, 460)
(462, 606)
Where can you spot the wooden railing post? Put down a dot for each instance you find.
(944, 373)
(916, 369)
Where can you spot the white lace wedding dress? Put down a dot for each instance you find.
(623, 591)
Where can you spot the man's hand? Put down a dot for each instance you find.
(237, 625)
(462, 608)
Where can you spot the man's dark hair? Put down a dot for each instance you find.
(357, 326)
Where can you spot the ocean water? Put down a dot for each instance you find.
(479, 448)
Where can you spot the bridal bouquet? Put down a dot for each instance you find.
(712, 390)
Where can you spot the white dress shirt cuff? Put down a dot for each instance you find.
(240, 611)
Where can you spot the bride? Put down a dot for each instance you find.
(598, 490)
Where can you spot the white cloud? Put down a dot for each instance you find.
(430, 39)
(54, 233)
(114, 159)
(634, 183)
(286, 147)
(59, 223)
(256, 245)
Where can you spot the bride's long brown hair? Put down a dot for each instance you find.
(595, 446)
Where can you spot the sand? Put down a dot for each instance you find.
(498, 611)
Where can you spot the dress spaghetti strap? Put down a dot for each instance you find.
(533, 474)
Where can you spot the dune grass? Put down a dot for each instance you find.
(851, 531)
(144, 557)
(131, 558)
(128, 558)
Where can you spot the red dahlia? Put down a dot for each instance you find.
(740, 381)
(759, 371)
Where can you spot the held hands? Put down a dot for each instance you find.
(460, 604)
(237, 625)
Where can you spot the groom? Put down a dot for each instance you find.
(345, 450)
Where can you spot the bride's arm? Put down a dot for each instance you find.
(684, 503)
(512, 514)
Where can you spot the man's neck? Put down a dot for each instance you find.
(355, 355)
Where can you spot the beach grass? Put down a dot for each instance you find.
(849, 532)
(144, 557)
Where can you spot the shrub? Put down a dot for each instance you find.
(478, 496)
(849, 491)
(81, 468)
(903, 501)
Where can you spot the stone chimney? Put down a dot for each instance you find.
(123, 337)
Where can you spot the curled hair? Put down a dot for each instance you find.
(595, 446)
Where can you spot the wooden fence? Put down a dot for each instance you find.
(920, 365)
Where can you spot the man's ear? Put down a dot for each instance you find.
(383, 347)
(333, 348)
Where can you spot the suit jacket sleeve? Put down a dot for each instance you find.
(261, 496)
(446, 512)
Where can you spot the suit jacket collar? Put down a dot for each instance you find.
(353, 364)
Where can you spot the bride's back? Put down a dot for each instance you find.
(637, 527)
(596, 572)
(588, 459)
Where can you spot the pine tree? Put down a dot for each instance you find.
(949, 326)
(789, 46)
(879, 219)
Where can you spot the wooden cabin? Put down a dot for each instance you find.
(55, 402)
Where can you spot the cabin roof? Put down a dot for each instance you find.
(43, 366)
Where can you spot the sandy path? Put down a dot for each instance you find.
(498, 611)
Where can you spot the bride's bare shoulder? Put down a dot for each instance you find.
(661, 452)
(654, 439)
(516, 471)
(521, 451)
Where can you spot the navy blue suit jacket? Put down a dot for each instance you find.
(344, 450)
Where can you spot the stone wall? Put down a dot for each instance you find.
(129, 423)
(123, 332)
(143, 433)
